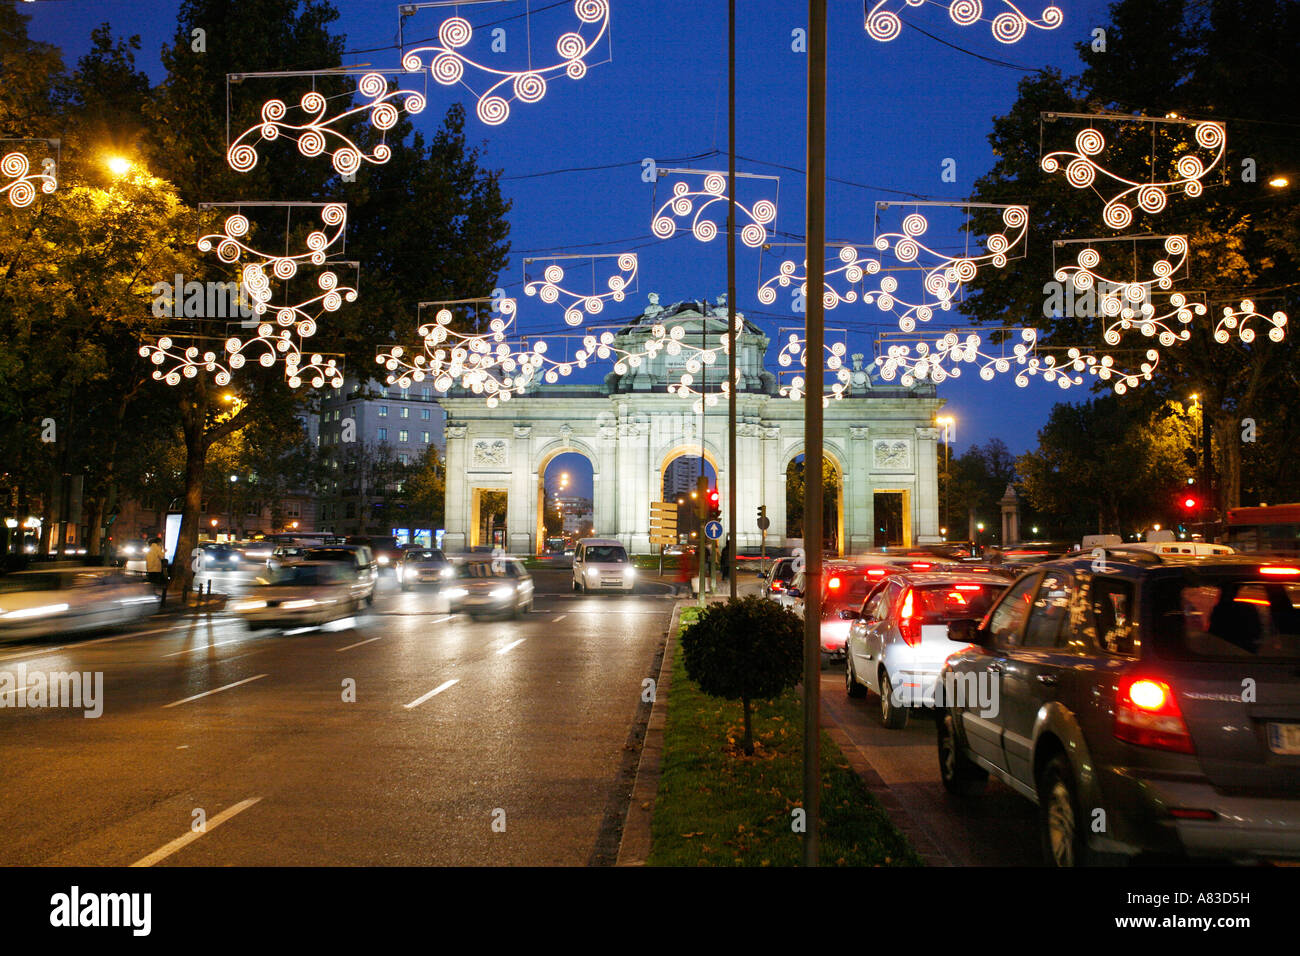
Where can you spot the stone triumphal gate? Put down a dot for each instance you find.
(881, 441)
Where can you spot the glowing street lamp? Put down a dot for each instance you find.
(118, 165)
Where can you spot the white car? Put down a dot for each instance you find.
(65, 600)
(301, 595)
(602, 564)
(898, 642)
(490, 585)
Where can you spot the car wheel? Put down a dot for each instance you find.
(1062, 826)
(959, 773)
(851, 684)
(891, 715)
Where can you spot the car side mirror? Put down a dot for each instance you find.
(966, 631)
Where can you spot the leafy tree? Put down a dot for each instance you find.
(1218, 59)
(746, 649)
(1079, 476)
(794, 498)
(425, 490)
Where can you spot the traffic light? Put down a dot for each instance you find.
(715, 510)
(1190, 502)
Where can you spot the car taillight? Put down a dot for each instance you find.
(908, 625)
(1147, 714)
(876, 572)
(833, 584)
(778, 586)
(1280, 572)
(921, 566)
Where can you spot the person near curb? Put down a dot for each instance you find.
(153, 563)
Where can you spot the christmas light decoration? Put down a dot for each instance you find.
(231, 247)
(22, 184)
(683, 203)
(576, 304)
(1145, 319)
(795, 351)
(1240, 318)
(448, 65)
(1010, 26)
(943, 280)
(847, 264)
(1078, 360)
(1116, 294)
(1081, 169)
(317, 133)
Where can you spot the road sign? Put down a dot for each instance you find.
(764, 523)
(663, 522)
(713, 530)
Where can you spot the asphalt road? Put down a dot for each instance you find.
(998, 828)
(469, 743)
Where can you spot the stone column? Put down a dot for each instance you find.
(521, 507)
(859, 494)
(925, 528)
(1010, 504)
(457, 503)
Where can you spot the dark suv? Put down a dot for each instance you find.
(1149, 704)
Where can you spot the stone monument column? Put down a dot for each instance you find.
(456, 517)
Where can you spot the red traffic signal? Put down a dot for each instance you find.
(1190, 503)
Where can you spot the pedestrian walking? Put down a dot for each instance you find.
(154, 560)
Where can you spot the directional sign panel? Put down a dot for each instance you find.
(713, 530)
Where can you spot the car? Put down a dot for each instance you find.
(384, 549)
(301, 595)
(494, 585)
(776, 584)
(222, 557)
(844, 587)
(898, 640)
(357, 557)
(1159, 694)
(70, 599)
(285, 554)
(423, 566)
(603, 564)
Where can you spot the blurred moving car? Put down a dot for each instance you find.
(285, 554)
(844, 588)
(423, 566)
(383, 548)
(255, 552)
(222, 557)
(497, 585)
(1160, 690)
(603, 564)
(357, 558)
(66, 600)
(300, 595)
(898, 640)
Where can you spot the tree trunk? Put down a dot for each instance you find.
(95, 517)
(194, 416)
(749, 727)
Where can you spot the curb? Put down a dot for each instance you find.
(634, 847)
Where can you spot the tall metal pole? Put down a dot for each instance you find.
(731, 292)
(815, 239)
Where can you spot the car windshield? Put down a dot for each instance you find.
(846, 586)
(606, 554)
(943, 603)
(1204, 615)
(302, 575)
(423, 556)
(330, 554)
(784, 571)
(488, 569)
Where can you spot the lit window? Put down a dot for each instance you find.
(424, 437)
(424, 414)
(402, 435)
(383, 434)
(406, 412)
(383, 411)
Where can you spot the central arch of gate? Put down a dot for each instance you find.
(880, 440)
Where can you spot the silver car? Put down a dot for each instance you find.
(301, 595)
(65, 600)
(898, 641)
(490, 585)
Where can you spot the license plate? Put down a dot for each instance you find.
(1284, 738)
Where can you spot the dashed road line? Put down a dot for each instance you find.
(560, 618)
(209, 693)
(511, 645)
(204, 647)
(165, 851)
(359, 643)
(437, 690)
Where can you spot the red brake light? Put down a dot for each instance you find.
(907, 623)
(833, 583)
(969, 587)
(876, 572)
(921, 566)
(1280, 572)
(1147, 714)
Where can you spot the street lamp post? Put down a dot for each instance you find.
(230, 507)
(947, 422)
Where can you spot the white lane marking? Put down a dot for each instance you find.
(449, 617)
(191, 650)
(437, 690)
(50, 651)
(209, 693)
(163, 852)
(560, 618)
(359, 643)
(512, 646)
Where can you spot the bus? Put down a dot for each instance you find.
(1265, 529)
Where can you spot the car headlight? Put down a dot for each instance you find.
(45, 610)
(448, 573)
(631, 571)
(593, 573)
(249, 605)
(383, 559)
(297, 605)
(500, 594)
(456, 592)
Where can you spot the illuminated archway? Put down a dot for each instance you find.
(794, 515)
(566, 500)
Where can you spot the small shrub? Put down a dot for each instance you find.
(747, 649)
